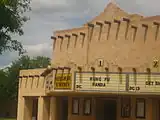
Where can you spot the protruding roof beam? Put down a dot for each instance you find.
(67, 36)
(126, 19)
(53, 37)
(74, 34)
(90, 25)
(60, 37)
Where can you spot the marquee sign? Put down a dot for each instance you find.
(99, 82)
(63, 81)
(114, 82)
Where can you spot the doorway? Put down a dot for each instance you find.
(65, 109)
(110, 110)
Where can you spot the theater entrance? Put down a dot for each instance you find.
(110, 110)
(64, 109)
(106, 109)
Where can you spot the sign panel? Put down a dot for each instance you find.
(63, 81)
(100, 82)
(114, 82)
(145, 83)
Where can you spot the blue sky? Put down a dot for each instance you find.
(50, 15)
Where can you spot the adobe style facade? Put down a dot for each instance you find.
(107, 69)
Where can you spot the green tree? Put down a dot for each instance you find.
(11, 22)
(3, 83)
(12, 72)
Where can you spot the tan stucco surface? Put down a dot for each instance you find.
(120, 40)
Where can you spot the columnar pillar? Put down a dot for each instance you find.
(53, 108)
(133, 107)
(28, 106)
(149, 110)
(43, 108)
(69, 107)
(20, 110)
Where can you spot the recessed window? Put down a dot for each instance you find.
(125, 107)
(100, 63)
(140, 108)
(75, 106)
(87, 105)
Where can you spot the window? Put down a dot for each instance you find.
(140, 108)
(75, 106)
(120, 74)
(87, 106)
(100, 62)
(125, 107)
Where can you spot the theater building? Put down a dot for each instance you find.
(107, 69)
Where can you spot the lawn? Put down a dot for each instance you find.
(7, 119)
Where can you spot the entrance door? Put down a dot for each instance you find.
(65, 109)
(110, 110)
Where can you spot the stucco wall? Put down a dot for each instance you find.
(120, 39)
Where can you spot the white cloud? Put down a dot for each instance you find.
(145, 7)
(39, 49)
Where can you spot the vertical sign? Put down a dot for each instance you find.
(63, 81)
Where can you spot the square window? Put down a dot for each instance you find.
(125, 107)
(140, 108)
(87, 105)
(75, 106)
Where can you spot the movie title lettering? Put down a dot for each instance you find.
(98, 84)
(149, 83)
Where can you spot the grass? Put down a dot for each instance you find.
(7, 119)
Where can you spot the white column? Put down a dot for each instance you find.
(53, 108)
(20, 110)
(28, 105)
(43, 108)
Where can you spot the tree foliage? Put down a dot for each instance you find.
(9, 77)
(11, 22)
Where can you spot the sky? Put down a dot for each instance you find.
(48, 16)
